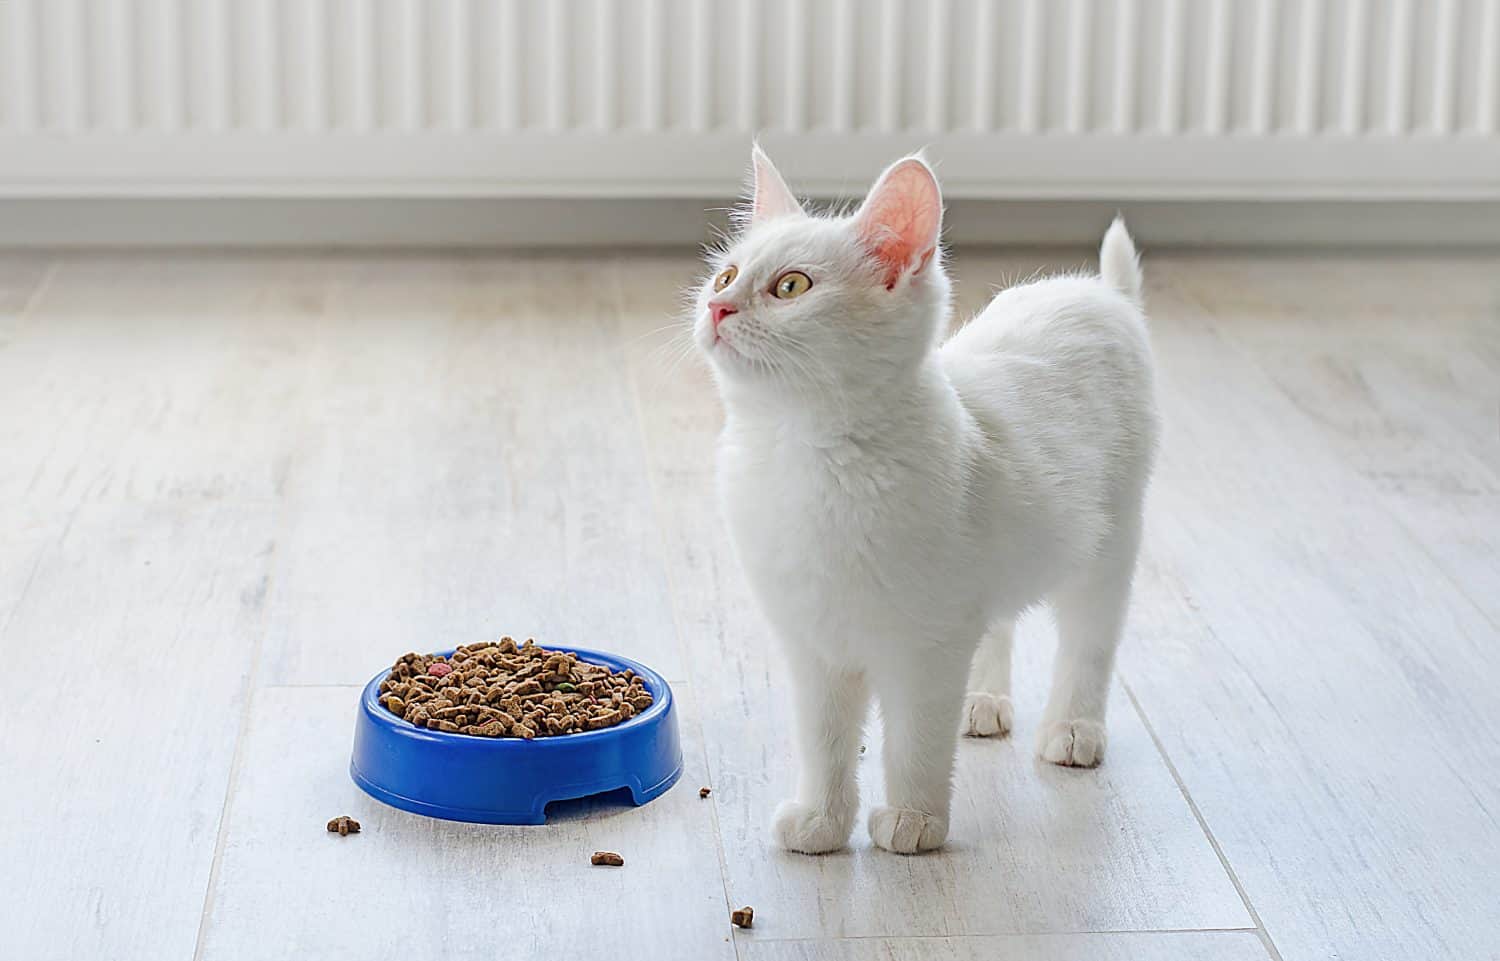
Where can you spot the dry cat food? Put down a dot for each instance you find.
(743, 918)
(343, 826)
(502, 689)
(609, 858)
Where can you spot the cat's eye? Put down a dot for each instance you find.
(725, 278)
(793, 283)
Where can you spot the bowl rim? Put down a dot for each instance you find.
(661, 696)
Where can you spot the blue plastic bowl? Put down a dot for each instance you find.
(459, 777)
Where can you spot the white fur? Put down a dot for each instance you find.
(897, 502)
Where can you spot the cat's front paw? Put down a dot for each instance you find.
(1078, 743)
(988, 715)
(905, 831)
(807, 830)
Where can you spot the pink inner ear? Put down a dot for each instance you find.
(899, 222)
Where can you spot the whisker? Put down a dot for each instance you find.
(675, 326)
(670, 351)
(664, 370)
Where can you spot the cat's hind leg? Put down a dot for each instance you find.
(1090, 613)
(828, 719)
(988, 711)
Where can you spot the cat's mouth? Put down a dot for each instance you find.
(720, 349)
(721, 341)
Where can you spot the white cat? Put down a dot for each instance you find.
(896, 501)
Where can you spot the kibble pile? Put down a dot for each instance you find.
(502, 689)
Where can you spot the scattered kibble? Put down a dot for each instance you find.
(609, 858)
(743, 918)
(704, 792)
(343, 826)
(502, 689)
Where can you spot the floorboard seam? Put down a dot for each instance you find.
(822, 939)
(332, 685)
(241, 736)
(632, 386)
(40, 288)
(41, 555)
(1259, 928)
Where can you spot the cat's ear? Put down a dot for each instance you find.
(772, 197)
(901, 219)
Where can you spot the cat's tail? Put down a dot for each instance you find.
(1119, 264)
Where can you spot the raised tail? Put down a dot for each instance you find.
(1119, 264)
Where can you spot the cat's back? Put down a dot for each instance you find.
(1057, 337)
(1068, 317)
(1060, 371)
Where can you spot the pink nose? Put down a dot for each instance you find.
(718, 310)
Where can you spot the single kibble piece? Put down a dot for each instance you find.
(501, 689)
(607, 857)
(343, 826)
(743, 918)
(704, 792)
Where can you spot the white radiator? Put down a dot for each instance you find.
(619, 98)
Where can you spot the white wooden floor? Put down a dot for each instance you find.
(234, 487)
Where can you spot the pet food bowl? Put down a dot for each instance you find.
(460, 777)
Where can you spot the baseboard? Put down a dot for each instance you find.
(572, 222)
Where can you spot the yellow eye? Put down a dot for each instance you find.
(793, 283)
(725, 278)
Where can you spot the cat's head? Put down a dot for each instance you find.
(826, 304)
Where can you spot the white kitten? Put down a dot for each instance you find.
(896, 501)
